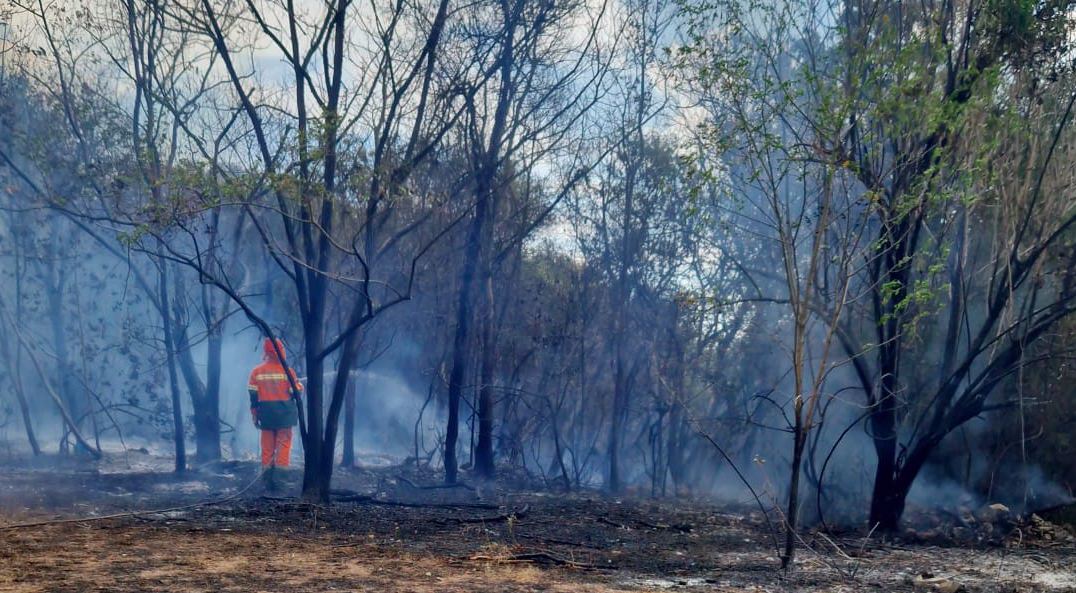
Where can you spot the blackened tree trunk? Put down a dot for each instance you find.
(15, 374)
(55, 286)
(205, 397)
(207, 411)
(484, 451)
(677, 425)
(792, 518)
(46, 383)
(27, 421)
(464, 316)
(619, 413)
(173, 378)
(478, 267)
(327, 453)
(207, 420)
(315, 483)
(886, 504)
(622, 296)
(677, 443)
(348, 459)
(14, 359)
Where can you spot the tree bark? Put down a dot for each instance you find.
(887, 504)
(617, 420)
(173, 378)
(15, 374)
(791, 520)
(349, 426)
(55, 281)
(460, 341)
(315, 486)
(484, 451)
(620, 379)
(14, 359)
(205, 397)
(60, 404)
(480, 241)
(207, 420)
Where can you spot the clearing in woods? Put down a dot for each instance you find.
(391, 533)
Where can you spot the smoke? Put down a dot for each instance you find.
(392, 392)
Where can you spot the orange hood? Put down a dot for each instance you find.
(270, 353)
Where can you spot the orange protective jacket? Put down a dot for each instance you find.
(271, 401)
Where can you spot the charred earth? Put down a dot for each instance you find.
(395, 528)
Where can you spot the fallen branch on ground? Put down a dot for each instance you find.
(541, 557)
(609, 521)
(681, 527)
(558, 542)
(494, 519)
(343, 492)
(435, 486)
(369, 499)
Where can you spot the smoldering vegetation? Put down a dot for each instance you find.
(740, 253)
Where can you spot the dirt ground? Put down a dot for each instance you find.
(390, 531)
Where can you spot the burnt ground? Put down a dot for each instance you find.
(389, 532)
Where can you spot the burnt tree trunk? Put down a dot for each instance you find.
(478, 266)
(54, 288)
(791, 519)
(887, 503)
(489, 194)
(14, 359)
(205, 397)
(617, 421)
(207, 419)
(484, 450)
(327, 453)
(620, 379)
(15, 374)
(459, 345)
(173, 378)
(315, 483)
(348, 459)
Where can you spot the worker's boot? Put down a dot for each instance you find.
(285, 477)
(269, 479)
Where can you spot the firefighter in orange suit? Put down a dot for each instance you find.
(273, 409)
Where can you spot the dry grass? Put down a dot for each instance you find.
(440, 541)
(104, 557)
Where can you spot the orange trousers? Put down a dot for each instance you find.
(278, 442)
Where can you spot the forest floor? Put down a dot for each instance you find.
(390, 531)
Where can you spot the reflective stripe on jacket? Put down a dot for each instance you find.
(271, 394)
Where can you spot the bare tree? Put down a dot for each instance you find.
(914, 166)
(541, 88)
(400, 106)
